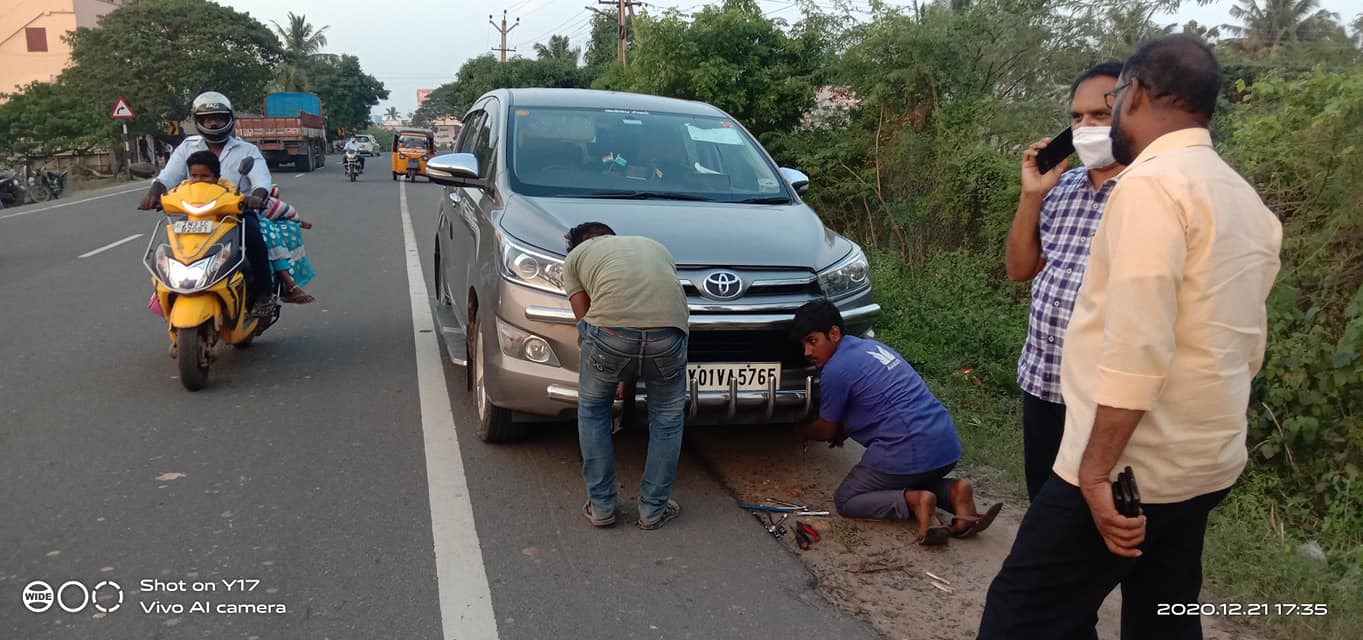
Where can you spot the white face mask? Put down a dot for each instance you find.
(1094, 146)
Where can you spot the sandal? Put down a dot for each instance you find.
(936, 536)
(978, 523)
(296, 295)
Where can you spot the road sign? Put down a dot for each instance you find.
(172, 127)
(121, 110)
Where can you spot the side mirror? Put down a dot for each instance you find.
(798, 180)
(247, 164)
(455, 170)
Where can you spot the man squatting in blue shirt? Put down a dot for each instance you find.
(870, 394)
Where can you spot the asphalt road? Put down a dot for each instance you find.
(304, 465)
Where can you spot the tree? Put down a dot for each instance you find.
(301, 39)
(347, 92)
(302, 43)
(1358, 30)
(391, 114)
(558, 48)
(731, 56)
(1205, 32)
(1266, 25)
(601, 48)
(159, 54)
(44, 119)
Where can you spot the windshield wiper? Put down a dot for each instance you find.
(647, 195)
(766, 200)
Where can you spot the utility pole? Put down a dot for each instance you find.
(622, 30)
(503, 30)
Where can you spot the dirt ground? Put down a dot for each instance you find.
(874, 569)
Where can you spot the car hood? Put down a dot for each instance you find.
(698, 234)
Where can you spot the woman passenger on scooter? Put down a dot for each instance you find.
(279, 224)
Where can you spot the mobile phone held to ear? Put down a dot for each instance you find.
(1059, 148)
(1126, 495)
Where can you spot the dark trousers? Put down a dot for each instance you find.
(868, 493)
(1060, 571)
(1043, 424)
(258, 285)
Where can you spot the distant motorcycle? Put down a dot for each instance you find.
(352, 164)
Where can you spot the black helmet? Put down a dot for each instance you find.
(213, 103)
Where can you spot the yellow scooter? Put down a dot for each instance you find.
(196, 259)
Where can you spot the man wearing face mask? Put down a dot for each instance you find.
(1049, 242)
(1167, 333)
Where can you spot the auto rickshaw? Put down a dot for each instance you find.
(411, 149)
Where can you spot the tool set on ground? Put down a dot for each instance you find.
(805, 535)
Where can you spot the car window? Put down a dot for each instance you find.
(576, 152)
(412, 142)
(486, 142)
(469, 133)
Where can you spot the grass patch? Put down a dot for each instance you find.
(954, 314)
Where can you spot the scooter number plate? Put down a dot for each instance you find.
(193, 226)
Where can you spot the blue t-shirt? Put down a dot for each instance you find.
(883, 404)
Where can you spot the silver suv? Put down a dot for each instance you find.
(532, 163)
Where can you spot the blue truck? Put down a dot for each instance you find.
(293, 130)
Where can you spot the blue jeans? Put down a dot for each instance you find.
(658, 358)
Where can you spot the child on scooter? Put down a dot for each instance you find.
(279, 223)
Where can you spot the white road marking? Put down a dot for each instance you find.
(461, 579)
(299, 176)
(69, 203)
(109, 246)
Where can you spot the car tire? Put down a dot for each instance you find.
(494, 423)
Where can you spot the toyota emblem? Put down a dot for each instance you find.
(723, 285)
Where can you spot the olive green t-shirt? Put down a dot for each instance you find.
(631, 280)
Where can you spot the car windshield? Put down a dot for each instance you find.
(613, 153)
(411, 142)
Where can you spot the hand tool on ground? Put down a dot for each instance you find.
(788, 510)
(772, 525)
(805, 535)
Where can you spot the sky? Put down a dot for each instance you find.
(420, 44)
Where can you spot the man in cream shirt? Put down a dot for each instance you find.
(1167, 333)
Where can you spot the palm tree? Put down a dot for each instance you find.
(1127, 27)
(302, 41)
(558, 49)
(1208, 33)
(1268, 24)
(391, 114)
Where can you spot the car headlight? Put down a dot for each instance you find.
(532, 268)
(850, 275)
(524, 345)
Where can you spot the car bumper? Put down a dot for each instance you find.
(547, 391)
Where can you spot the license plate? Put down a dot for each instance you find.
(193, 226)
(753, 376)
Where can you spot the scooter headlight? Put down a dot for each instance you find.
(196, 275)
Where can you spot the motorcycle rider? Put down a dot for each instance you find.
(213, 117)
(354, 145)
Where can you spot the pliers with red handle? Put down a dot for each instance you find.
(805, 535)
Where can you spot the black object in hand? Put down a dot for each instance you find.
(1057, 150)
(1126, 495)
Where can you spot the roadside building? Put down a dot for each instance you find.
(32, 47)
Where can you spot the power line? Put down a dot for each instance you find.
(576, 21)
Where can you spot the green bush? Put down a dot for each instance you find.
(1297, 139)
